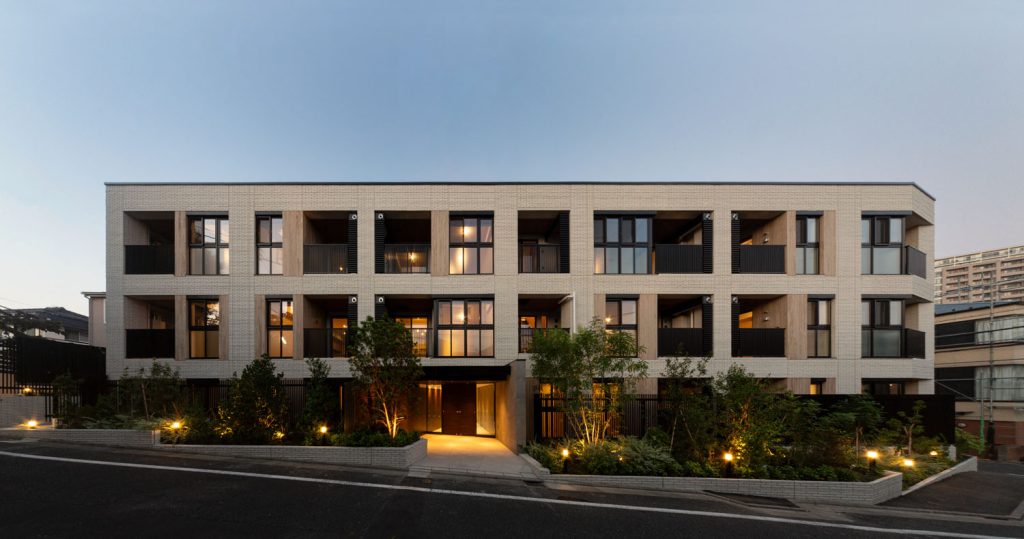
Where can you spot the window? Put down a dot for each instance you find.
(882, 328)
(620, 315)
(279, 328)
(817, 386)
(881, 245)
(622, 245)
(807, 245)
(204, 326)
(269, 240)
(208, 246)
(471, 246)
(418, 327)
(882, 387)
(819, 328)
(465, 328)
(999, 330)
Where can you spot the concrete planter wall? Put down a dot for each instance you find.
(969, 465)
(110, 437)
(839, 492)
(377, 457)
(17, 409)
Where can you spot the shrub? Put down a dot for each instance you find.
(374, 438)
(545, 455)
(640, 457)
(599, 459)
(967, 443)
(321, 407)
(257, 406)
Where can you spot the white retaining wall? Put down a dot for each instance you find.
(112, 437)
(16, 409)
(377, 457)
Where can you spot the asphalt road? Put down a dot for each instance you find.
(128, 494)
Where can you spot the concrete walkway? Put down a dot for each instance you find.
(471, 455)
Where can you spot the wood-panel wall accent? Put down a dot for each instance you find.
(261, 324)
(180, 244)
(829, 387)
(438, 243)
(647, 325)
(223, 337)
(790, 237)
(827, 242)
(180, 328)
(294, 233)
(777, 315)
(799, 386)
(298, 335)
(599, 310)
(796, 327)
(566, 320)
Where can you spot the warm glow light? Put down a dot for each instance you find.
(908, 463)
(412, 256)
(278, 435)
(32, 423)
(607, 320)
(283, 340)
(872, 454)
(26, 390)
(175, 425)
(323, 429)
(727, 457)
(565, 453)
(462, 317)
(933, 453)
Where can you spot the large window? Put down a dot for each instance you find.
(622, 244)
(807, 245)
(204, 329)
(881, 245)
(208, 246)
(418, 327)
(465, 328)
(279, 328)
(999, 330)
(620, 315)
(882, 328)
(269, 242)
(819, 328)
(882, 387)
(471, 245)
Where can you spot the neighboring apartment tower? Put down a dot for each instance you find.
(970, 277)
(979, 358)
(821, 288)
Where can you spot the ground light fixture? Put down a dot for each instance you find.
(565, 460)
(933, 453)
(31, 423)
(872, 459)
(323, 429)
(175, 425)
(909, 463)
(26, 390)
(565, 453)
(727, 457)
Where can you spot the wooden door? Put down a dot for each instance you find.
(458, 409)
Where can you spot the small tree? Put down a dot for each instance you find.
(321, 405)
(861, 415)
(159, 391)
(384, 364)
(687, 391)
(909, 425)
(749, 419)
(257, 405)
(593, 370)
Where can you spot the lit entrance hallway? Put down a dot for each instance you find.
(471, 455)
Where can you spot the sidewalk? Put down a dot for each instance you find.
(469, 455)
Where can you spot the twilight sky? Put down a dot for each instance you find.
(926, 91)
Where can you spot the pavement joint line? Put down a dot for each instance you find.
(689, 512)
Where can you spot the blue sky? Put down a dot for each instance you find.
(925, 91)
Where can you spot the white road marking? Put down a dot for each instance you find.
(712, 514)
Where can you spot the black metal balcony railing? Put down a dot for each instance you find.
(681, 342)
(672, 258)
(526, 337)
(892, 343)
(407, 258)
(760, 342)
(325, 258)
(149, 259)
(534, 258)
(915, 262)
(149, 343)
(325, 342)
(762, 258)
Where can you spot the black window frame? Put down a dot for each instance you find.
(466, 327)
(280, 327)
(880, 319)
(633, 328)
(478, 245)
(204, 327)
(270, 245)
(601, 242)
(816, 326)
(219, 245)
(803, 245)
(408, 321)
(880, 236)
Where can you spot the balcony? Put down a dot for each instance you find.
(892, 343)
(149, 343)
(407, 258)
(673, 258)
(526, 337)
(762, 259)
(915, 262)
(325, 342)
(683, 342)
(149, 259)
(325, 258)
(537, 258)
(759, 342)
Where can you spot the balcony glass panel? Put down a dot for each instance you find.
(886, 261)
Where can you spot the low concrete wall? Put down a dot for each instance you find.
(378, 457)
(16, 409)
(111, 437)
(838, 492)
(969, 465)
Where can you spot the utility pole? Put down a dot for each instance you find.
(991, 356)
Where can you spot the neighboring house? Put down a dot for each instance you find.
(979, 358)
(97, 318)
(971, 277)
(75, 326)
(821, 288)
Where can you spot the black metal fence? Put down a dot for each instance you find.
(760, 342)
(325, 258)
(673, 258)
(639, 413)
(681, 342)
(762, 258)
(148, 259)
(149, 343)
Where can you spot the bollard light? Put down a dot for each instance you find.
(323, 429)
(933, 453)
(728, 457)
(31, 423)
(909, 463)
(565, 453)
(175, 425)
(873, 455)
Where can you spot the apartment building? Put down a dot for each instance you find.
(821, 288)
(972, 277)
(979, 359)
